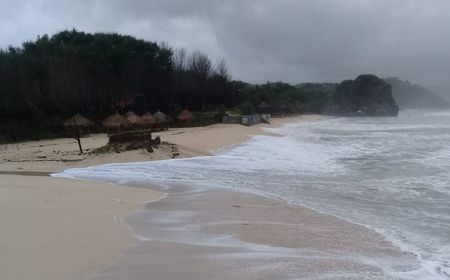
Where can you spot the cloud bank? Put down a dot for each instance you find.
(262, 40)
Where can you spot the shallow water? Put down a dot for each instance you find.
(389, 174)
(213, 234)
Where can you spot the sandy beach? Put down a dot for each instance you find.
(62, 229)
(69, 229)
(55, 155)
(66, 229)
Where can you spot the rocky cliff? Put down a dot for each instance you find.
(367, 95)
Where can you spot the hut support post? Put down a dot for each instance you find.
(79, 141)
(77, 135)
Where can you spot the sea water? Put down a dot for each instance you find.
(389, 174)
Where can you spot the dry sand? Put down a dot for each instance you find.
(54, 229)
(60, 154)
(62, 229)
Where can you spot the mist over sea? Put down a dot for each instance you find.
(389, 174)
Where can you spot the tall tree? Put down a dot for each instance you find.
(200, 66)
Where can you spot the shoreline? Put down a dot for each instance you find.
(241, 235)
(242, 230)
(354, 241)
(25, 187)
(56, 155)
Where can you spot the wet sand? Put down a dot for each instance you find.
(229, 235)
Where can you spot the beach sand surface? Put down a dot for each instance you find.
(225, 235)
(56, 155)
(54, 228)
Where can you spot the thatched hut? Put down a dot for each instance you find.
(116, 121)
(148, 120)
(133, 118)
(78, 121)
(185, 116)
(162, 119)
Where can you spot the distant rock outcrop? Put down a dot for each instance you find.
(410, 96)
(367, 95)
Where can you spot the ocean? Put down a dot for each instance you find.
(391, 175)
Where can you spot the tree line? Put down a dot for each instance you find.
(53, 77)
(71, 72)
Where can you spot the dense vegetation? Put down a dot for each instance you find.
(47, 80)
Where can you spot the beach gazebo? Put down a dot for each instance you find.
(78, 126)
(116, 121)
(134, 119)
(162, 119)
(185, 116)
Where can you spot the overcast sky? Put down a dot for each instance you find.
(262, 40)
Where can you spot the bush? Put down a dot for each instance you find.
(221, 112)
(247, 108)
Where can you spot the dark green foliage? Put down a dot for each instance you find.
(366, 95)
(95, 75)
(285, 98)
(204, 118)
(47, 80)
(247, 108)
(221, 112)
(76, 72)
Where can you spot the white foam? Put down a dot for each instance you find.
(389, 174)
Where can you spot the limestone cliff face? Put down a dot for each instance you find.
(367, 95)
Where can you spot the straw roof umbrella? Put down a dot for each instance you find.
(133, 118)
(185, 115)
(76, 123)
(78, 120)
(116, 121)
(162, 118)
(148, 119)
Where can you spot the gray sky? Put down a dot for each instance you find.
(262, 40)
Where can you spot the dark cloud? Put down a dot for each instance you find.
(290, 40)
